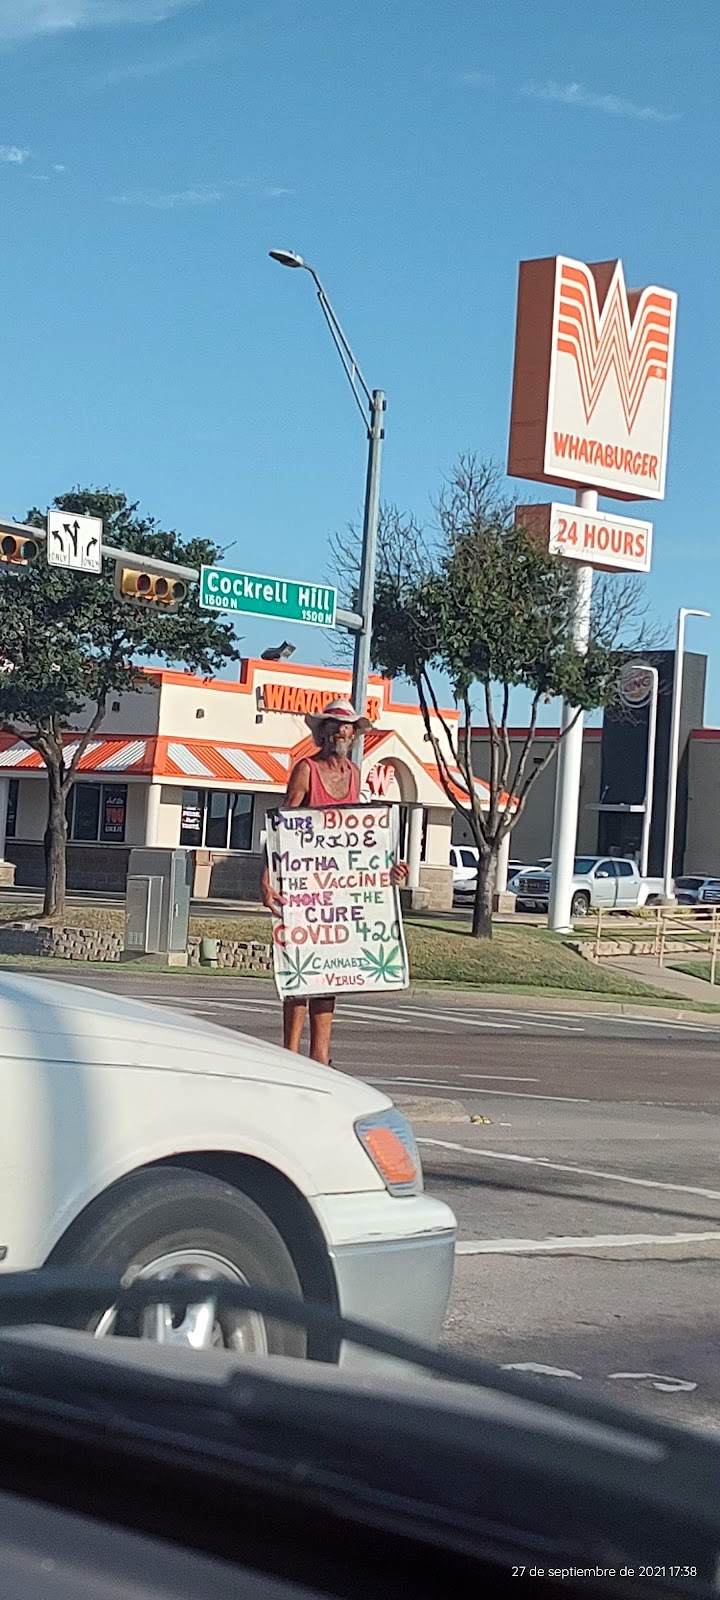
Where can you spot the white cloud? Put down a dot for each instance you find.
(169, 202)
(612, 105)
(30, 19)
(58, 167)
(13, 155)
(276, 191)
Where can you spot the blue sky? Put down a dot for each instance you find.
(153, 151)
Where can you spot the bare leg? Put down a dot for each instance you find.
(322, 1009)
(293, 1024)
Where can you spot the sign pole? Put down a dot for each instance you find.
(567, 784)
(649, 775)
(363, 639)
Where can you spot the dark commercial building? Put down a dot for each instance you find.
(612, 791)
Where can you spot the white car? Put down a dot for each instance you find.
(464, 862)
(141, 1142)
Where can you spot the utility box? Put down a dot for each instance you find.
(143, 915)
(173, 871)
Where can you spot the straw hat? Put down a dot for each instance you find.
(338, 711)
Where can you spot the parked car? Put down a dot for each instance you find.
(697, 891)
(607, 881)
(516, 869)
(154, 1145)
(464, 862)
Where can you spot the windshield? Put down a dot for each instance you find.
(263, 661)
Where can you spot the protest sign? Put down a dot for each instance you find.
(341, 927)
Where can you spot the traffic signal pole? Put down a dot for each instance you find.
(166, 569)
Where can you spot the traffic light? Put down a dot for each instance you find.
(17, 550)
(141, 589)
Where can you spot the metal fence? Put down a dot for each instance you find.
(661, 931)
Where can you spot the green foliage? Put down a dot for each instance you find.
(70, 642)
(492, 607)
(483, 604)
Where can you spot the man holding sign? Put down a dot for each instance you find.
(331, 884)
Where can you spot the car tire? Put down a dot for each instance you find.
(580, 904)
(170, 1222)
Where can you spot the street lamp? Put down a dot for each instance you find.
(371, 405)
(672, 776)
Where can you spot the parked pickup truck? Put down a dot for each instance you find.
(603, 881)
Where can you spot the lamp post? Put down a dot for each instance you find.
(371, 405)
(672, 775)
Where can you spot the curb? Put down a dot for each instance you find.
(423, 1108)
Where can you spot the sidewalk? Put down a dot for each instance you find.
(694, 990)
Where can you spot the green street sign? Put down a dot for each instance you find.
(250, 592)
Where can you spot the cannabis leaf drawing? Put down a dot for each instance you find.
(295, 969)
(385, 964)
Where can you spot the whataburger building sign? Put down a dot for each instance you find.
(592, 379)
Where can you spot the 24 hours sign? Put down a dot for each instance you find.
(600, 539)
(341, 927)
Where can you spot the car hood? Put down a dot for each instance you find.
(42, 1020)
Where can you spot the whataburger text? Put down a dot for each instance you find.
(592, 379)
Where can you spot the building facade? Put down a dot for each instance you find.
(197, 763)
(613, 778)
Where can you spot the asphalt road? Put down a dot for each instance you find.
(588, 1203)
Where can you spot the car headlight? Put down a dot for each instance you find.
(389, 1141)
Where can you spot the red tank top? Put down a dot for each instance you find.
(319, 796)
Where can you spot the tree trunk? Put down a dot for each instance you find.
(482, 926)
(55, 846)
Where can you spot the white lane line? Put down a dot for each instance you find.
(582, 1172)
(631, 1022)
(443, 1017)
(504, 1077)
(523, 1018)
(598, 1241)
(504, 1094)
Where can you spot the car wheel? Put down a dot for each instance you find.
(580, 904)
(169, 1223)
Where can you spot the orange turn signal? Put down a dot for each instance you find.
(390, 1143)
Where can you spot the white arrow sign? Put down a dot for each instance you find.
(74, 541)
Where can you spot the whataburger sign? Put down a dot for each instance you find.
(592, 379)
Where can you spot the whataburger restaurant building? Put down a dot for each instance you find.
(183, 761)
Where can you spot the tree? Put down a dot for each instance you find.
(67, 643)
(479, 602)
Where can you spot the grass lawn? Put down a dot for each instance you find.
(515, 958)
(441, 952)
(699, 969)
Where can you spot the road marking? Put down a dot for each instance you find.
(598, 1241)
(583, 1172)
(533, 1020)
(659, 1380)
(539, 1366)
(493, 1076)
(632, 1022)
(443, 1017)
(509, 1094)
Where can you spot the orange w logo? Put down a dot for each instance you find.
(631, 339)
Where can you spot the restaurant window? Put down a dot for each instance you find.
(219, 819)
(97, 812)
(192, 816)
(11, 825)
(241, 821)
